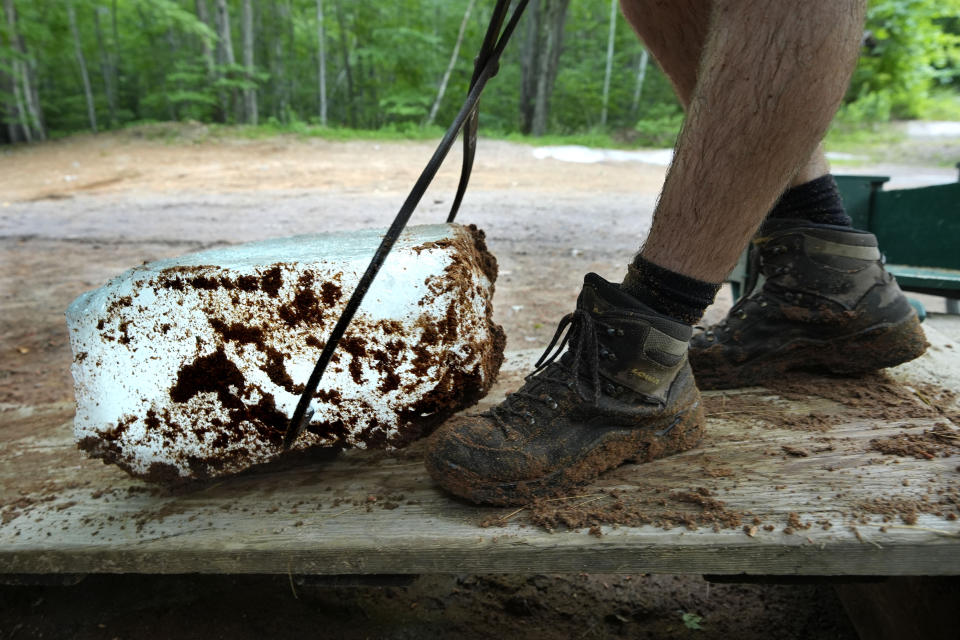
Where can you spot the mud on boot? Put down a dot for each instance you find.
(826, 305)
(623, 390)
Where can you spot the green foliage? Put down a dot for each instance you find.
(384, 62)
(912, 48)
(659, 125)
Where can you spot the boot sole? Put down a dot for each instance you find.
(879, 347)
(675, 433)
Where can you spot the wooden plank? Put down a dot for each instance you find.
(371, 512)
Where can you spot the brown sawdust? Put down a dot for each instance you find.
(941, 441)
(688, 508)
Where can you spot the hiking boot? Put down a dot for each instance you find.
(826, 305)
(623, 390)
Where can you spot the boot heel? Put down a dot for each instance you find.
(880, 348)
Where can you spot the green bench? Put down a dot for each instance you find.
(918, 231)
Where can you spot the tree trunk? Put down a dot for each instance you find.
(225, 50)
(554, 19)
(116, 40)
(146, 27)
(210, 58)
(15, 112)
(106, 64)
(322, 63)
(23, 119)
(609, 69)
(29, 81)
(206, 49)
(638, 90)
(25, 94)
(223, 30)
(529, 64)
(281, 61)
(249, 93)
(78, 49)
(11, 109)
(453, 62)
(345, 52)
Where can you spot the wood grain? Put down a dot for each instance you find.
(372, 512)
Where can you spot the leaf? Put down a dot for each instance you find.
(692, 621)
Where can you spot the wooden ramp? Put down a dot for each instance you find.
(811, 478)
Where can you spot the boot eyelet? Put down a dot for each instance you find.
(610, 389)
(611, 331)
(763, 304)
(742, 315)
(611, 356)
(620, 332)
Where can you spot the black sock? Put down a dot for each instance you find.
(816, 201)
(681, 297)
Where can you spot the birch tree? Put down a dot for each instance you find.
(529, 65)
(225, 55)
(223, 30)
(641, 76)
(554, 19)
(106, 67)
(345, 53)
(250, 91)
(23, 81)
(609, 67)
(322, 63)
(207, 51)
(82, 61)
(453, 61)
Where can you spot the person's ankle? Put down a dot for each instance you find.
(673, 294)
(817, 202)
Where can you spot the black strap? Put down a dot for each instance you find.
(486, 67)
(473, 120)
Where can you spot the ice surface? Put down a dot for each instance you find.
(190, 367)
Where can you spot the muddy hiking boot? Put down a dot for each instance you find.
(622, 390)
(826, 305)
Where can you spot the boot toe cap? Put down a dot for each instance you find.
(474, 448)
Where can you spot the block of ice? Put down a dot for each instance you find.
(190, 367)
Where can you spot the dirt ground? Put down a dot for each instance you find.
(75, 212)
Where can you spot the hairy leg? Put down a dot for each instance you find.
(770, 79)
(675, 32)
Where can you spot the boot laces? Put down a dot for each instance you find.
(578, 330)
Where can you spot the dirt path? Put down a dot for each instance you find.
(125, 163)
(74, 213)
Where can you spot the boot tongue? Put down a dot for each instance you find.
(599, 297)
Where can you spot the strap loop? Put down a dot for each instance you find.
(485, 68)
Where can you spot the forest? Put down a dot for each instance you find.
(401, 66)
